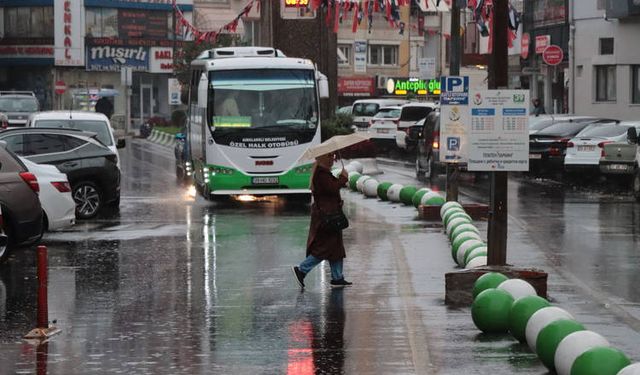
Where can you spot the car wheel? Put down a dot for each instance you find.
(88, 200)
(636, 185)
(6, 237)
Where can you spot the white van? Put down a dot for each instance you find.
(364, 109)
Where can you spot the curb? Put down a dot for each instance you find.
(391, 162)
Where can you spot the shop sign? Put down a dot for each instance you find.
(355, 86)
(524, 46)
(30, 52)
(112, 59)
(161, 60)
(69, 43)
(403, 86)
(138, 23)
(542, 42)
(296, 3)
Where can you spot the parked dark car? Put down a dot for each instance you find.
(547, 147)
(21, 213)
(90, 166)
(428, 147)
(537, 123)
(18, 106)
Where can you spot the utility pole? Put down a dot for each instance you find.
(498, 79)
(453, 171)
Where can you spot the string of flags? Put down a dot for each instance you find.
(185, 28)
(337, 10)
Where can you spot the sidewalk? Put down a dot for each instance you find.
(445, 340)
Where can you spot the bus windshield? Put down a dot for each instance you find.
(260, 101)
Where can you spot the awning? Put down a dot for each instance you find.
(216, 18)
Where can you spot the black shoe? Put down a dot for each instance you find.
(340, 283)
(299, 275)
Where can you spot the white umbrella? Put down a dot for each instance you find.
(333, 144)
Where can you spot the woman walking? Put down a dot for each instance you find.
(324, 243)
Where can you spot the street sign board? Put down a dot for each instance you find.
(553, 55)
(524, 46)
(542, 42)
(60, 87)
(499, 133)
(454, 119)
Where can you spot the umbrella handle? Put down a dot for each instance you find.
(341, 162)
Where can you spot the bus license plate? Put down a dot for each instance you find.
(265, 180)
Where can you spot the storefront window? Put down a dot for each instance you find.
(29, 22)
(344, 54)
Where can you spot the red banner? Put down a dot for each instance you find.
(355, 86)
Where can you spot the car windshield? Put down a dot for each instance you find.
(613, 130)
(101, 128)
(415, 113)
(14, 104)
(388, 113)
(365, 109)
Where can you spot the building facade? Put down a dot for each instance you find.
(84, 45)
(606, 67)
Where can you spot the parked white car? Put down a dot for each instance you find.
(585, 149)
(55, 195)
(363, 111)
(82, 120)
(384, 124)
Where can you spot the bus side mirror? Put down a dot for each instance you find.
(203, 91)
(121, 143)
(323, 86)
(632, 135)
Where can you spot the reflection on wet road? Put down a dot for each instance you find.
(176, 285)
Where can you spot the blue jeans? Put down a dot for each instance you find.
(336, 266)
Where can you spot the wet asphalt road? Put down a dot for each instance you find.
(175, 285)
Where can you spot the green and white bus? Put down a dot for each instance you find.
(252, 114)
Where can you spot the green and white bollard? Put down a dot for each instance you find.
(353, 179)
(448, 205)
(466, 248)
(370, 188)
(383, 187)
(574, 345)
(360, 183)
(551, 335)
(465, 227)
(489, 280)
(394, 192)
(600, 361)
(406, 194)
(475, 253)
(432, 199)
(521, 312)
(418, 195)
(476, 262)
(541, 319)
(518, 288)
(633, 369)
(453, 223)
(490, 311)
